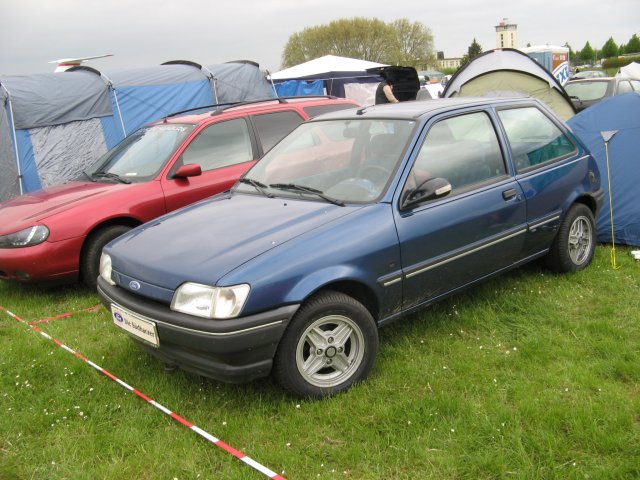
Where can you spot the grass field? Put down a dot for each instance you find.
(531, 375)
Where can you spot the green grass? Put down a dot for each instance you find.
(531, 375)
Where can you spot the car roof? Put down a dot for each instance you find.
(261, 105)
(418, 108)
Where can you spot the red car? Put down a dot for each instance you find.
(56, 235)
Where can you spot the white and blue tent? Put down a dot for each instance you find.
(619, 114)
(53, 125)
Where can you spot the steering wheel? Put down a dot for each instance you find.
(375, 173)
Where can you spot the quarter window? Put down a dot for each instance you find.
(464, 150)
(534, 139)
(220, 145)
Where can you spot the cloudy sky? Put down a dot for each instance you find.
(149, 32)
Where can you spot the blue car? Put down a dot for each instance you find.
(352, 221)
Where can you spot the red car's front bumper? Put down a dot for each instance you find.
(47, 262)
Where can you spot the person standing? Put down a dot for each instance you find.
(384, 92)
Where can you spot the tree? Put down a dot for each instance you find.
(472, 52)
(587, 55)
(572, 54)
(413, 45)
(633, 45)
(609, 49)
(399, 43)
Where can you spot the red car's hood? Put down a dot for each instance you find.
(29, 209)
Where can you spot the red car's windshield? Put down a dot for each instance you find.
(141, 155)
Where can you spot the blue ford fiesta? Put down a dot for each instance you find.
(352, 221)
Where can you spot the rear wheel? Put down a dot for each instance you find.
(575, 242)
(330, 344)
(90, 256)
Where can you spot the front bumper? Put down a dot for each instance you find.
(235, 350)
(48, 262)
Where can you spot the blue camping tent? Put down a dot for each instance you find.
(54, 125)
(621, 114)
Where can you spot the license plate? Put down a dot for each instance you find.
(136, 326)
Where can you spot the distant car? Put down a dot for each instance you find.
(57, 234)
(355, 219)
(588, 74)
(586, 92)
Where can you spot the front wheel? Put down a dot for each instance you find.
(330, 344)
(575, 242)
(90, 257)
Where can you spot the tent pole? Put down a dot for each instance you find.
(213, 78)
(110, 86)
(15, 139)
(272, 84)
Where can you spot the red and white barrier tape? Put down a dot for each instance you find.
(219, 443)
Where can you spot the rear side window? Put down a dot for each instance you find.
(534, 139)
(220, 145)
(272, 127)
(624, 87)
(320, 109)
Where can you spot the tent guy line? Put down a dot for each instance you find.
(217, 442)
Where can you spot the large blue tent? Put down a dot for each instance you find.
(619, 114)
(54, 125)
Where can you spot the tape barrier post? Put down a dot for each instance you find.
(216, 441)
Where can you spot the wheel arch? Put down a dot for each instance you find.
(356, 289)
(111, 222)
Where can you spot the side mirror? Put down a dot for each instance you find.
(429, 189)
(188, 170)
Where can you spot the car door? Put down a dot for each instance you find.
(547, 166)
(477, 229)
(224, 150)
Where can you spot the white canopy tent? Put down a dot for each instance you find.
(322, 65)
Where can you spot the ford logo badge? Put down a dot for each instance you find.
(118, 317)
(133, 285)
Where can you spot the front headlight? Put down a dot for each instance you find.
(25, 238)
(210, 302)
(105, 268)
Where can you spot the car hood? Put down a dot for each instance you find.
(29, 209)
(203, 242)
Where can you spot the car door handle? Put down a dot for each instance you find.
(509, 194)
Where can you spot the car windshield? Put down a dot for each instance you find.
(141, 155)
(339, 161)
(585, 91)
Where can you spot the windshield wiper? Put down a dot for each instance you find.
(257, 185)
(302, 189)
(111, 175)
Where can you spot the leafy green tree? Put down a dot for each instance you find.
(609, 49)
(621, 49)
(472, 52)
(587, 55)
(572, 54)
(398, 43)
(412, 46)
(633, 46)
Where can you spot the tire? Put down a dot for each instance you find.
(575, 242)
(331, 344)
(92, 249)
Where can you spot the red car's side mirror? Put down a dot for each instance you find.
(189, 170)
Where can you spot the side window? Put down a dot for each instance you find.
(635, 84)
(220, 145)
(273, 127)
(463, 150)
(534, 139)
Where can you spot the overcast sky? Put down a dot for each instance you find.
(149, 32)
